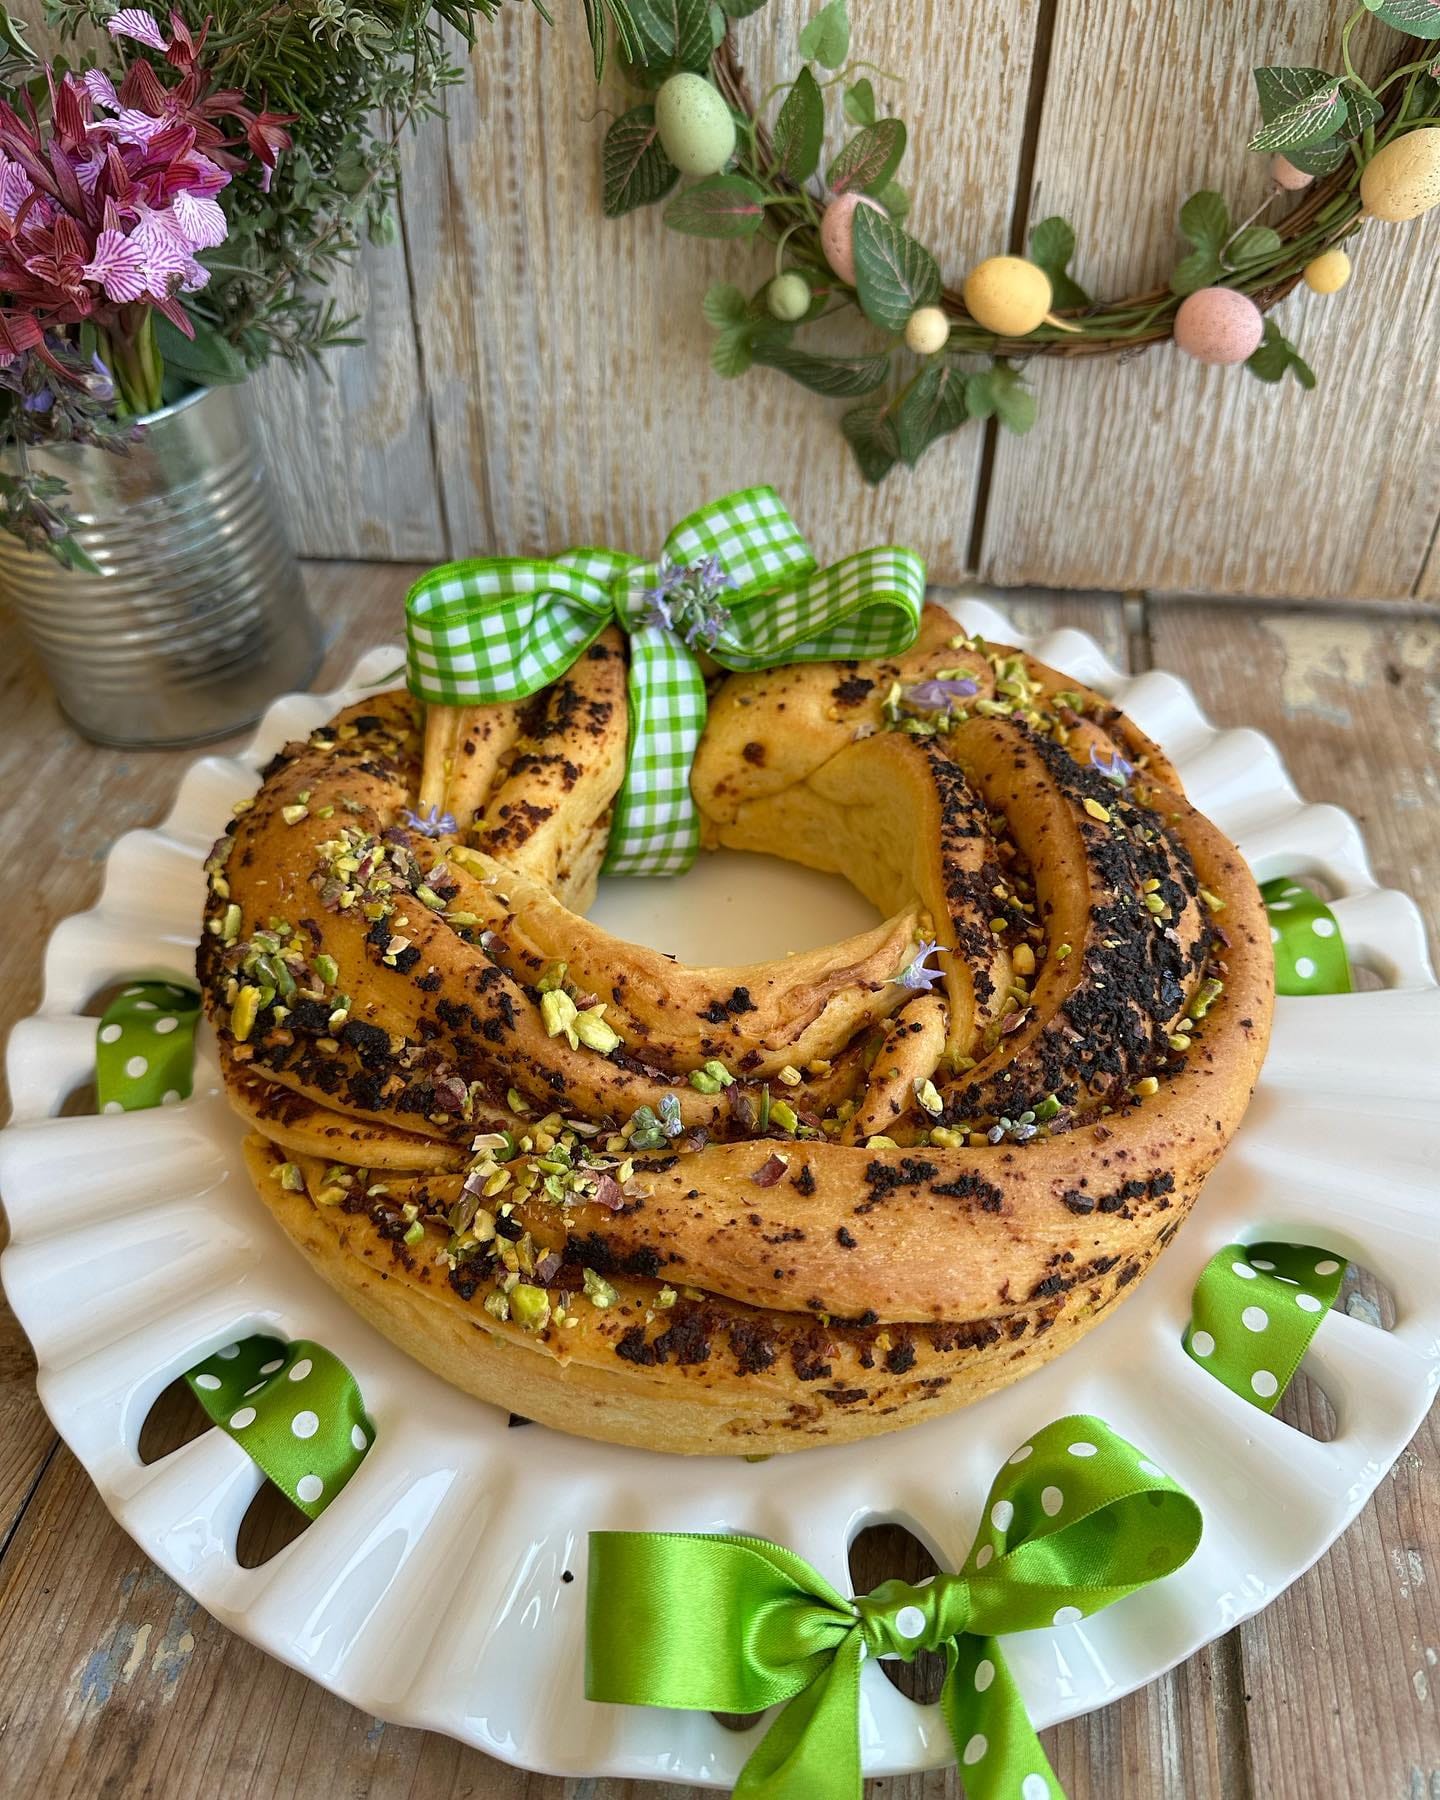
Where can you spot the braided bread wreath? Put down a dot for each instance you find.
(474, 1111)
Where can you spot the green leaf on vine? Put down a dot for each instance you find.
(635, 170)
(747, 341)
(870, 433)
(672, 32)
(893, 274)
(724, 305)
(1052, 244)
(894, 199)
(723, 206)
(1421, 18)
(1277, 357)
(1362, 110)
(931, 407)
(1200, 269)
(741, 9)
(799, 129)
(1255, 244)
(826, 39)
(1318, 159)
(860, 103)
(1205, 221)
(839, 377)
(1000, 393)
(1299, 106)
(869, 160)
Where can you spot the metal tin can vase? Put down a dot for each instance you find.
(197, 618)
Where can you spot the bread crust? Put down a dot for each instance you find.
(749, 1284)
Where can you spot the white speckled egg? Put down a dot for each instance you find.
(837, 233)
(927, 330)
(1284, 174)
(697, 131)
(788, 296)
(1219, 325)
(1403, 180)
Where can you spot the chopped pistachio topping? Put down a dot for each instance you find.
(928, 1096)
(791, 1076)
(784, 1115)
(1205, 996)
(244, 1012)
(292, 815)
(1146, 1086)
(598, 1291)
(529, 1306)
(1097, 811)
(289, 1176)
(594, 1033)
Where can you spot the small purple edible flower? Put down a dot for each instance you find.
(685, 600)
(432, 823)
(937, 695)
(1117, 769)
(915, 975)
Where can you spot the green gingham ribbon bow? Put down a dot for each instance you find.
(1255, 1310)
(736, 580)
(1310, 954)
(1076, 1519)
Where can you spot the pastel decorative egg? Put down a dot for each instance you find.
(1403, 180)
(927, 330)
(1007, 295)
(1219, 325)
(1327, 273)
(837, 233)
(788, 297)
(1284, 174)
(697, 131)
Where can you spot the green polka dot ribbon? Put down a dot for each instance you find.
(145, 1046)
(1255, 1310)
(294, 1408)
(1076, 1519)
(1310, 956)
(736, 580)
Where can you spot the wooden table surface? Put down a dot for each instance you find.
(113, 1682)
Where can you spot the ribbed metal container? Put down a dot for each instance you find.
(198, 618)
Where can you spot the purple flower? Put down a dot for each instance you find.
(135, 22)
(935, 695)
(432, 823)
(39, 402)
(199, 220)
(118, 265)
(15, 186)
(1117, 769)
(915, 975)
(684, 600)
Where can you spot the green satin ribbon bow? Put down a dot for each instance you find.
(736, 580)
(1076, 1519)
(1310, 954)
(1255, 1310)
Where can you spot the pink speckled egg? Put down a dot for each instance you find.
(1284, 174)
(837, 233)
(1219, 325)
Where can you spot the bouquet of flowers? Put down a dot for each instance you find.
(169, 211)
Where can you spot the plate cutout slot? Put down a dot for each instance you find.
(175, 1418)
(271, 1522)
(82, 1102)
(1365, 1297)
(1305, 1407)
(890, 1552)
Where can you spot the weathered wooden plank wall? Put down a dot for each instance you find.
(538, 375)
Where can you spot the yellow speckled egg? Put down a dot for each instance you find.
(1328, 272)
(1007, 295)
(837, 233)
(1284, 174)
(1219, 325)
(927, 330)
(1403, 180)
(696, 129)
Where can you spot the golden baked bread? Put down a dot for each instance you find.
(755, 1208)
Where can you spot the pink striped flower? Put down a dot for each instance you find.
(15, 185)
(199, 220)
(135, 22)
(118, 265)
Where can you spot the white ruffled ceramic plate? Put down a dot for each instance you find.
(430, 1593)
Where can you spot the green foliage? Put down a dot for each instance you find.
(1205, 223)
(635, 171)
(826, 39)
(1277, 357)
(839, 377)
(723, 206)
(869, 160)
(1000, 393)
(741, 9)
(870, 433)
(1421, 18)
(207, 360)
(860, 103)
(1299, 107)
(672, 34)
(1052, 244)
(895, 199)
(1318, 159)
(799, 129)
(932, 406)
(1254, 245)
(893, 274)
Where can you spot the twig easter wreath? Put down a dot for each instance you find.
(1355, 150)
